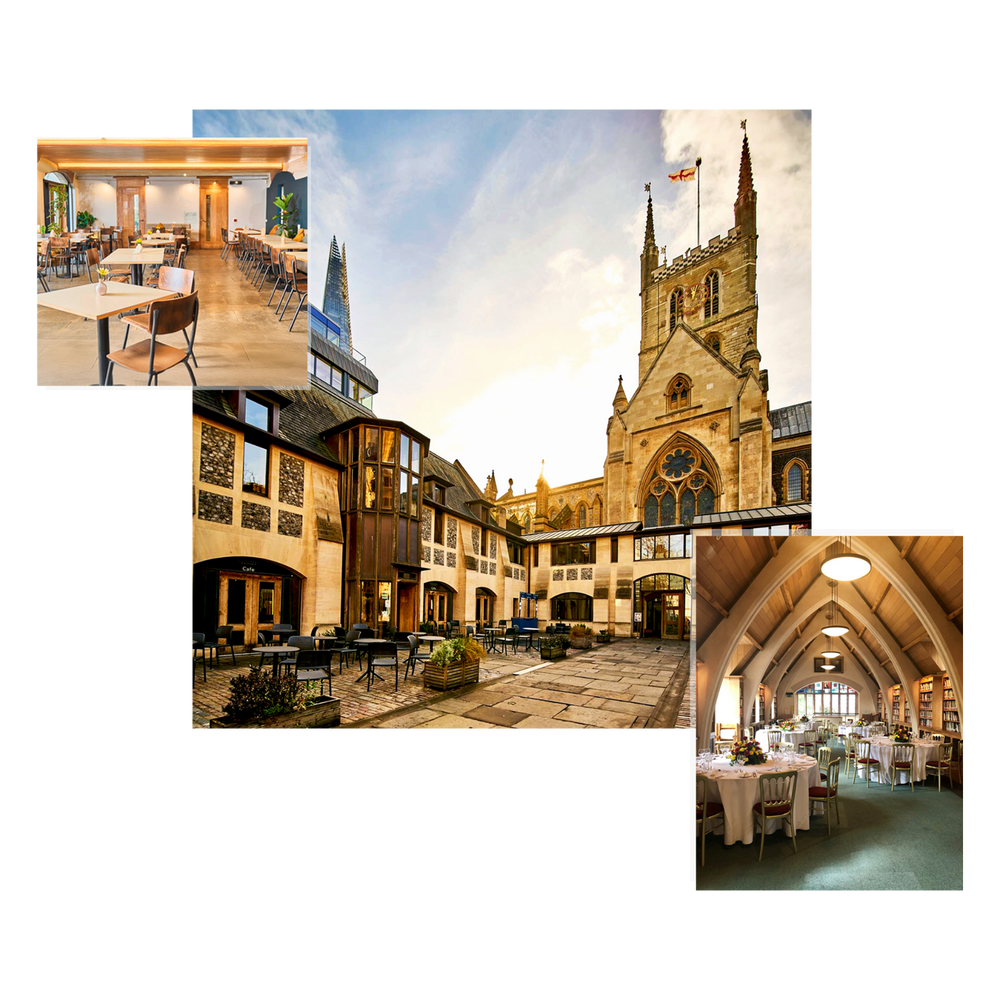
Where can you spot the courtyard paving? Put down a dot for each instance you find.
(626, 684)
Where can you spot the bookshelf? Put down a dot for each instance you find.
(950, 722)
(925, 706)
(894, 694)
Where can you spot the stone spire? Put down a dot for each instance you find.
(621, 400)
(745, 208)
(650, 258)
(542, 502)
(491, 487)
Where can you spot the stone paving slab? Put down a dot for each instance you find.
(595, 717)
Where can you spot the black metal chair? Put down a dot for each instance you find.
(299, 642)
(380, 654)
(315, 665)
(349, 649)
(224, 632)
(198, 642)
(415, 656)
(508, 640)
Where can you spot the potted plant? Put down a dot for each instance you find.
(287, 215)
(259, 701)
(581, 637)
(552, 646)
(84, 220)
(603, 636)
(454, 663)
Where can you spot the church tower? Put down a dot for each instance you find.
(695, 435)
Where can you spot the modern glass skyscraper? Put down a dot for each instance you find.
(336, 304)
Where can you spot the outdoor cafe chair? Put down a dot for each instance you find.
(198, 642)
(507, 640)
(380, 654)
(314, 665)
(415, 656)
(166, 316)
(225, 634)
(299, 642)
(349, 649)
(777, 800)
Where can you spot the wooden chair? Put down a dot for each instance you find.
(705, 810)
(827, 794)
(941, 764)
(902, 761)
(777, 800)
(172, 279)
(166, 316)
(60, 253)
(44, 263)
(863, 760)
(298, 286)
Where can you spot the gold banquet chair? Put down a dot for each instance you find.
(863, 759)
(827, 794)
(823, 755)
(941, 764)
(902, 760)
(773, 741)
(809, 741)
(704, 811)
(777, 800)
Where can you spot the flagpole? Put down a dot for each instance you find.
(697, 173)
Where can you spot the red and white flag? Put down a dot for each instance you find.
(683, 175)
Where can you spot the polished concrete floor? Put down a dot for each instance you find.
(239, 342)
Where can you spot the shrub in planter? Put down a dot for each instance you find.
(257, 698)
(553, 647)
(453, 663)
(581, 637)
(603, 636)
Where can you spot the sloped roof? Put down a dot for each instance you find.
(788, 421)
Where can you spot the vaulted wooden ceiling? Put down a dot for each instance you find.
(174, 157)
(726, 566)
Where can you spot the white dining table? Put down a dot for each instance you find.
(923, 751)
(738, 794)
(793, 736)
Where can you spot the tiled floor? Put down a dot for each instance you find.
(240, 341)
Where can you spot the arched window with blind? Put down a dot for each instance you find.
(711, 294)
(676, 305)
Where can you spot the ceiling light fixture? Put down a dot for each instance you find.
(844, 564)
(834, 627)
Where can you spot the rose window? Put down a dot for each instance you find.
(680, 463)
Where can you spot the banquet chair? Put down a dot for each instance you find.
(823, 757)
(850, 754)
(705, 810)
(777, 800)
(863, 759)
(809, 741)
(828, 794)
(902, 761)
(941, 764)
(773, 742)
(315, 665)
(786, 747)
(170, 279)
(723, 746)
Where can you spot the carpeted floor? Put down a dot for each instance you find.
(887, 839)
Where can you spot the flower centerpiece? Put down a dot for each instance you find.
(787, 726)
(102, 285)
(746, 752)
(804, 718)
(901, 734)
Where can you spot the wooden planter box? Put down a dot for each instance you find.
(322, 714)
(583, 642)
(554, 652)
(452, 676)
(602, 638)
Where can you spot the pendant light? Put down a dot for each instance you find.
(834, 626)
(844, 564)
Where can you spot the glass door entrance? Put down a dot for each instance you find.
(247, 604)
(664, 616)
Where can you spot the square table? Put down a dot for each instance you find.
(83, 300)
(135, 259)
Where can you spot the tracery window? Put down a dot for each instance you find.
(679, 393)
(795, 476)
(581, 516)
(712, 295)
(680, 486)
(676, 305)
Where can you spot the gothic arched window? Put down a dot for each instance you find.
(715, 342)
(680, 485)
(676, 304)
(795, 474)
(581, 516)
(712, 295)
(679, 393)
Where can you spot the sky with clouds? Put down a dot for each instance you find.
(493, 259)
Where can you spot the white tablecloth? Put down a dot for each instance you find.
(923, 751)
(738, 795)
(793, 736)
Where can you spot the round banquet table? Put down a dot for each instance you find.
(923, 751)
(793, 736)
(738, 795)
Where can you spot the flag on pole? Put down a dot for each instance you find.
(683, 175)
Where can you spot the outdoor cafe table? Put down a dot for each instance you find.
(135, 259)
(532, 632)
(275, 652)
(368, 655)
(491, 637)
(83, 300)
(923, 751)
(738, 794)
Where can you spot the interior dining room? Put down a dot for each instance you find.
(830, 710)
(172, 262)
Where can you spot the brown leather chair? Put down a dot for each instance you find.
(166, 316)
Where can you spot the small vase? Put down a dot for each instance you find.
(102, 287)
